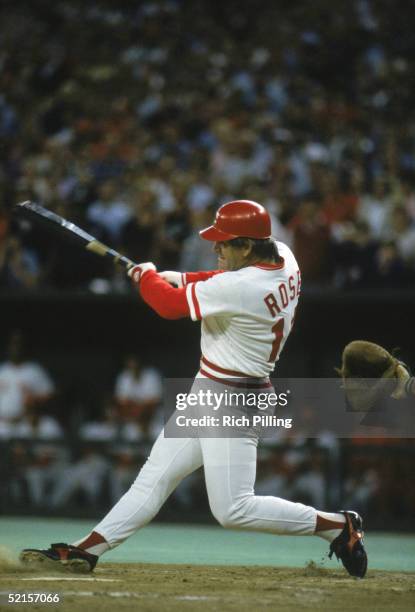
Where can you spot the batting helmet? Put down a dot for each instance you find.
(239, 219)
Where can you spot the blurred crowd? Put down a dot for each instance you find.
(53, 456)
(59, 459)
(137, 121)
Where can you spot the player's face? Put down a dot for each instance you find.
(229, 257)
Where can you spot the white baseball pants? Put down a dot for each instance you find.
(230, 469)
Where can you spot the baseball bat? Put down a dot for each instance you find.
(39, 214)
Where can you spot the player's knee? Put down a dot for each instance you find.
(225, 515)
(224, 518)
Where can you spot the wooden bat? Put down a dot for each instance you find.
(46, 217)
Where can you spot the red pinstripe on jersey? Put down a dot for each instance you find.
(249, 383)
(220, 370)
(196, 302)
(193, 302)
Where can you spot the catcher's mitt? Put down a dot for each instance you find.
(370, 373)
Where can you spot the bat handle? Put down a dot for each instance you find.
(124, 262)
(101, 249)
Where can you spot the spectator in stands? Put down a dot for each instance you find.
(175, 225)
(140, 232)
(119, 438)
(109, 212)
(362, 485)
(114, 425)
(45, 467)
(46, 457)
(4, 223)
(234, 161)
(85, 476)
(390, 269)
(355, 253)
(339, 202)
(104, 428)
(408, 187)
(307, 482)
(25, 389)
(273, 472)
(13, 484)
(138, 394)
(401, 230)
(266, 111)
(125, 462)
(25, 386)
(37, 426)
(19, 266)
(311, 240)
(195, 255)
(375, 206)
(200, 193)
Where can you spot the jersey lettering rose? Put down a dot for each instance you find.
(246, 316)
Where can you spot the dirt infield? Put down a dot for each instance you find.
(151, 587)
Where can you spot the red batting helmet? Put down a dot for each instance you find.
(239, 219)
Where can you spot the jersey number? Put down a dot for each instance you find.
(278, 331)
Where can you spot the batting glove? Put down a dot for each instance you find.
(136, 273)
(174, 278)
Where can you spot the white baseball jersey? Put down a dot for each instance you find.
(246, 316)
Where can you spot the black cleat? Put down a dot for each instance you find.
(348, 546)
(62, 557)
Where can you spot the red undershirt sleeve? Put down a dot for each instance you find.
(167, 301)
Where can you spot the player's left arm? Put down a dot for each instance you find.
(167, 301)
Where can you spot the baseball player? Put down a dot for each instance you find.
(247, 310)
